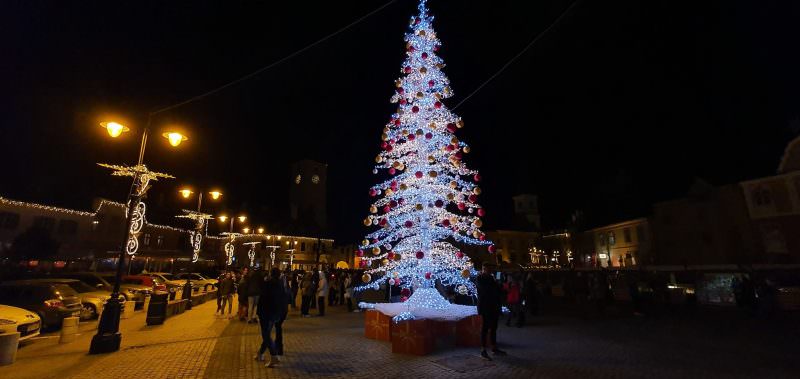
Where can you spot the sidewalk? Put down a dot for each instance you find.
(198, 344)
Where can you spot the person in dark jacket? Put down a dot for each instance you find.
(226, 290)
(489, 308)
(254, 284)
(273, 307)
(241, 292)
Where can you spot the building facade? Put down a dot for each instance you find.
(624, 244)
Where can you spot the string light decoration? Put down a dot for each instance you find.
(251, 253)
(229, 247)
(429, 200)
(196, 236)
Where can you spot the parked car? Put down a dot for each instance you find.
(198, 281)
(93, 300)
(50, 301)
(133, 293)
(145, 280)
(173, 285)
(13, 319)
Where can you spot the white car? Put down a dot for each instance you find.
(13, 319)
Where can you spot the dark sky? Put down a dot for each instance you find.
(620, 105)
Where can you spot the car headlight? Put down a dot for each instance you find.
(5, 321)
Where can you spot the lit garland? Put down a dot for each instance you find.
(430, 198)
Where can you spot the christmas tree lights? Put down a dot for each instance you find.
(429, 201)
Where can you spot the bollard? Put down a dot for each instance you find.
(146, 303)
(128, 311)
(69, 329)
(8, 348)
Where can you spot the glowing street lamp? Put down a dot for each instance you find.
(108, 337)
(260, 230)
(114, 129)
(186, 193)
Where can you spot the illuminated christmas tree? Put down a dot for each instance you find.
(428, 204)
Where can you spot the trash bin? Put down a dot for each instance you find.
(69, 329)
(157, 311)
(173, 292)
(8, 348)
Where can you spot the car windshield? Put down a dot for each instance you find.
(64, 290)
(198, 277)
(168, 276)
(81, 287)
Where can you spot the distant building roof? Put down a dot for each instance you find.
(791, 157)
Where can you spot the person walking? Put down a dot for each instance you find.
(531, 290)
(306, 293)
(254, 284)
(241, 293)
(272, 309)
(348, 292)
(293, 286)
(513, 299)
(220, 278)
(489, 308)
(333, 293)
(226, 289)
(322, 293)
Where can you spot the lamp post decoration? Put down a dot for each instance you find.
(252, 252)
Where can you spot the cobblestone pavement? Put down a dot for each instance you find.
(559, 345)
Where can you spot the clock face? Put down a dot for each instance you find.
(315, 179)
(297, 179)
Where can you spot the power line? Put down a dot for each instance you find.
(510, 61)
(271, 65)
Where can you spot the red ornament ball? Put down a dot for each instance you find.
(419, 174)
(481, 212)
(360, 253)
(451, 127)
(411, 137)
(401, 201)
(415, 109)
(392, 171)
(420, 255)
(492, 249)
(373, 193)
(458, 155)
(482, 237)
(462, 206)
(431, 83)
(400, 90)
(428, 135)
(407, 70)
(392, 203)
(405, 292)
(438, 203)
(477, 177)
(459, 255)
(411, 49)
(384, 145)
(390, 255)
(424, 55)
(403, 101)
(437, 104)
(397, 122)
(408, 224)
(386, 209)
(382, 222)
(416, 21)
(428, 275)
(445, 222)
(450, 148)
(473, 198)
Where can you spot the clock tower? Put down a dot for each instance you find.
(308, 195)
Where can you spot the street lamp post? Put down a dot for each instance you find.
(196, 239)
(108, 337)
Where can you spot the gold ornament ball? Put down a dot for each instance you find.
(376, 250)
(423, 70)
(384, 137)
(420, 95)
(454, 141)
(433, 174)
(453, 184)
(464, 274)
(432, 125)
(422, 33)
(366, 278)
(476, 234)
(466, 149)
(478, 223)
(378, 159)
(385, 261)
(364, 242)
(450, 196)
(373, 209)
(401, 166)
(389, 192)
(367, 222)
(419, 207)
(403, 187)
(476, 190)
(396, 164)
(404, 132)
(419, 132)
(460, 123)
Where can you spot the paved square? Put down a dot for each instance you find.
(198, 344)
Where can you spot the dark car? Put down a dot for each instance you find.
(52, 302)
(145, 280)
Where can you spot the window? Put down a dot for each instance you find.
(160, 241)
(627, 234)
(612, 238)
(46, 223)
(762, 196)
(69, 227)
(146, 239)
(302, 246)
(9, 220)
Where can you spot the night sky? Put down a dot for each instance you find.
(620, 105)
